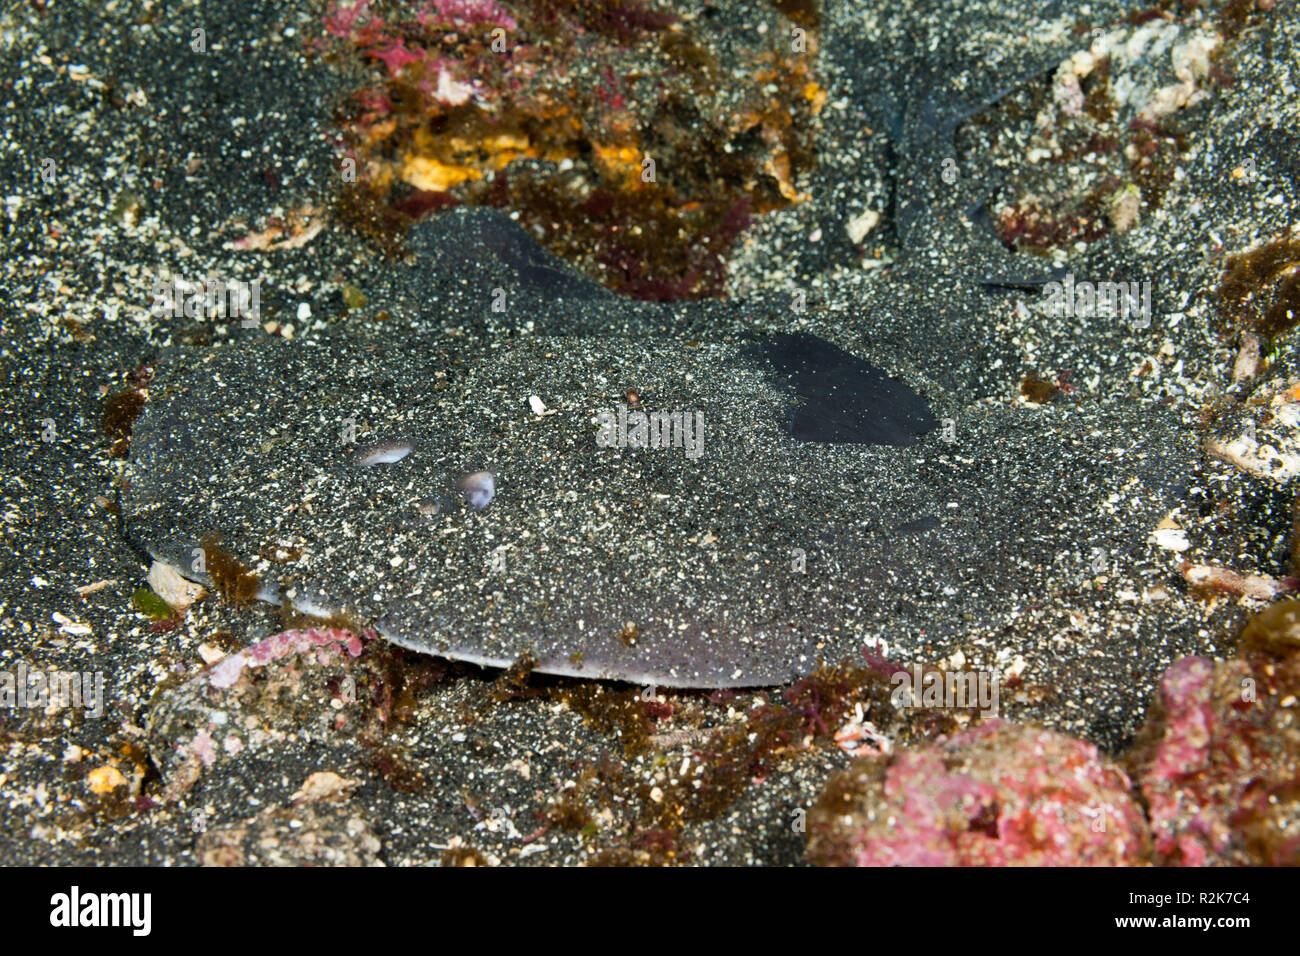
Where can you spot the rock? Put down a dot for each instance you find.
(860, 225)
(1262, 437)
(1125, 208)
(312, 835)
(1218, 760)
(995, 794)
(281, 688)
(172, 588)
(324, 785)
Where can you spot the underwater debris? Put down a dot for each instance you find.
(1038, 390)
(232, 580)
(284, 679)
(1261, 436)
(1210, 577)
(1260, 290)
(120, 413)
(147, 602)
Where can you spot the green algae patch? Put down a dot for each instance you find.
(151, 604)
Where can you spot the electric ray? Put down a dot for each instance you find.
(679, 513)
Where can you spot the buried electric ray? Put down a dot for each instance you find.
(827, 506)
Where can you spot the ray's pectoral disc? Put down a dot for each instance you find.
(746, 512)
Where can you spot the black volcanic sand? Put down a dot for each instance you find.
(1021, 545)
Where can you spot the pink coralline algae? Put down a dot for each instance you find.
(355, 21)
(202, 748)
(1219, 760)
(397, 55)
(329, 643)
(997, 794)
(464, 13)
(297, 684)
(436, 77)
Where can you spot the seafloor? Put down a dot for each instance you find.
(475, 224)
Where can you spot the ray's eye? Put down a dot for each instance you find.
(479, 488)
(384, 453)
